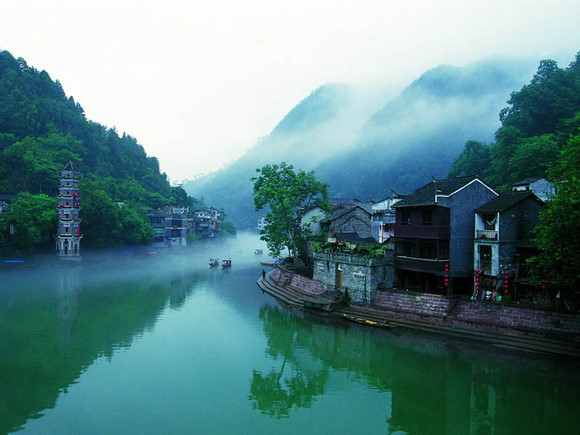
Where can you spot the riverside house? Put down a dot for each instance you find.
(434, 235)
(503, 241)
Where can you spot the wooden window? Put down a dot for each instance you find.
(405, 217)
(427, 217)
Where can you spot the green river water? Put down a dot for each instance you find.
(162, 344)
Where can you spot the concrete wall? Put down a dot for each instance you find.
(360, 276)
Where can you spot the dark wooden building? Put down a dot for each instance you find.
(434, 233)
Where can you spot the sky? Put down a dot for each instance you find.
(197, 83)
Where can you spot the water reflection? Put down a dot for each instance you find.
(55, 322)
(283, 388)
(204, 351)
(436, 384)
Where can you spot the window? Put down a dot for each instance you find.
(427, 217)
(405, 217)
(489, 222)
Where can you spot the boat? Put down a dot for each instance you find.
(226, 263)
(265, 263)
(258, 252)
(213, 262)
(280, 261)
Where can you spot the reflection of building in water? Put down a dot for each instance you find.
(67, 302)
(68, 238)
(483, 401)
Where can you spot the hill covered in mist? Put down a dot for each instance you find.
(364, 147)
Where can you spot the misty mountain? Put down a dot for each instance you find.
(366, 149)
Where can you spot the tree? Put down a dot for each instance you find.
(473, 160)
(288, 195)
(33, 218)
(136, 227)
(532, 158)
(101, 216)
(558, 233)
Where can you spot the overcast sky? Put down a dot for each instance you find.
(198, 82)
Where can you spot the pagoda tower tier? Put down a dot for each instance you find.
(68, 237)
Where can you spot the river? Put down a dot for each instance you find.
(160, 343)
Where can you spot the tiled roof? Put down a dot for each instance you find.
(505, 201)
(70, 166)
(342, 211)
(426, 195)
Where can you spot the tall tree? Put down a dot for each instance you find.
(558, 233)
(33, 219)
(287, 194)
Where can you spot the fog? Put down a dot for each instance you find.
(113, 266)
(350, 135)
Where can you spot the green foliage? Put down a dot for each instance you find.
(33, 218)
(136, 227)
(101, 224)
(473, 160)
(536, 125)
(41, 130)
(228, 228)
(287, 194)
(558, 233)
(532, 157)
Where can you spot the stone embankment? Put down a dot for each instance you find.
(502, 325)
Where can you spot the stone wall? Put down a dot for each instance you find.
(479, 315)
(360, 277)
(306, 285)
(356, 220)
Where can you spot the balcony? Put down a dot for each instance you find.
(434, 232)
(486, 235)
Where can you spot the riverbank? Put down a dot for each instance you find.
(498, 324)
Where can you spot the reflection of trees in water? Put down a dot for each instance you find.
(277, 392)
(55, 325)
(436, 384)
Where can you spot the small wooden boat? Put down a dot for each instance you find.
(213, 262)
(265, 263)
(226, 264)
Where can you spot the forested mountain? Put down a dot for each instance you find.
(40, 131)
(540, 137)
(364, 149)
(540, 119)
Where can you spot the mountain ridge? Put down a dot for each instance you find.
(367, 154)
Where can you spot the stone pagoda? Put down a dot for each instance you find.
(68, 238)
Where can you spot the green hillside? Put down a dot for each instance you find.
(40, 131)
(536, 125)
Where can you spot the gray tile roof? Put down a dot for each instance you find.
(426, 195)
(505, 201)
(342, 211)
